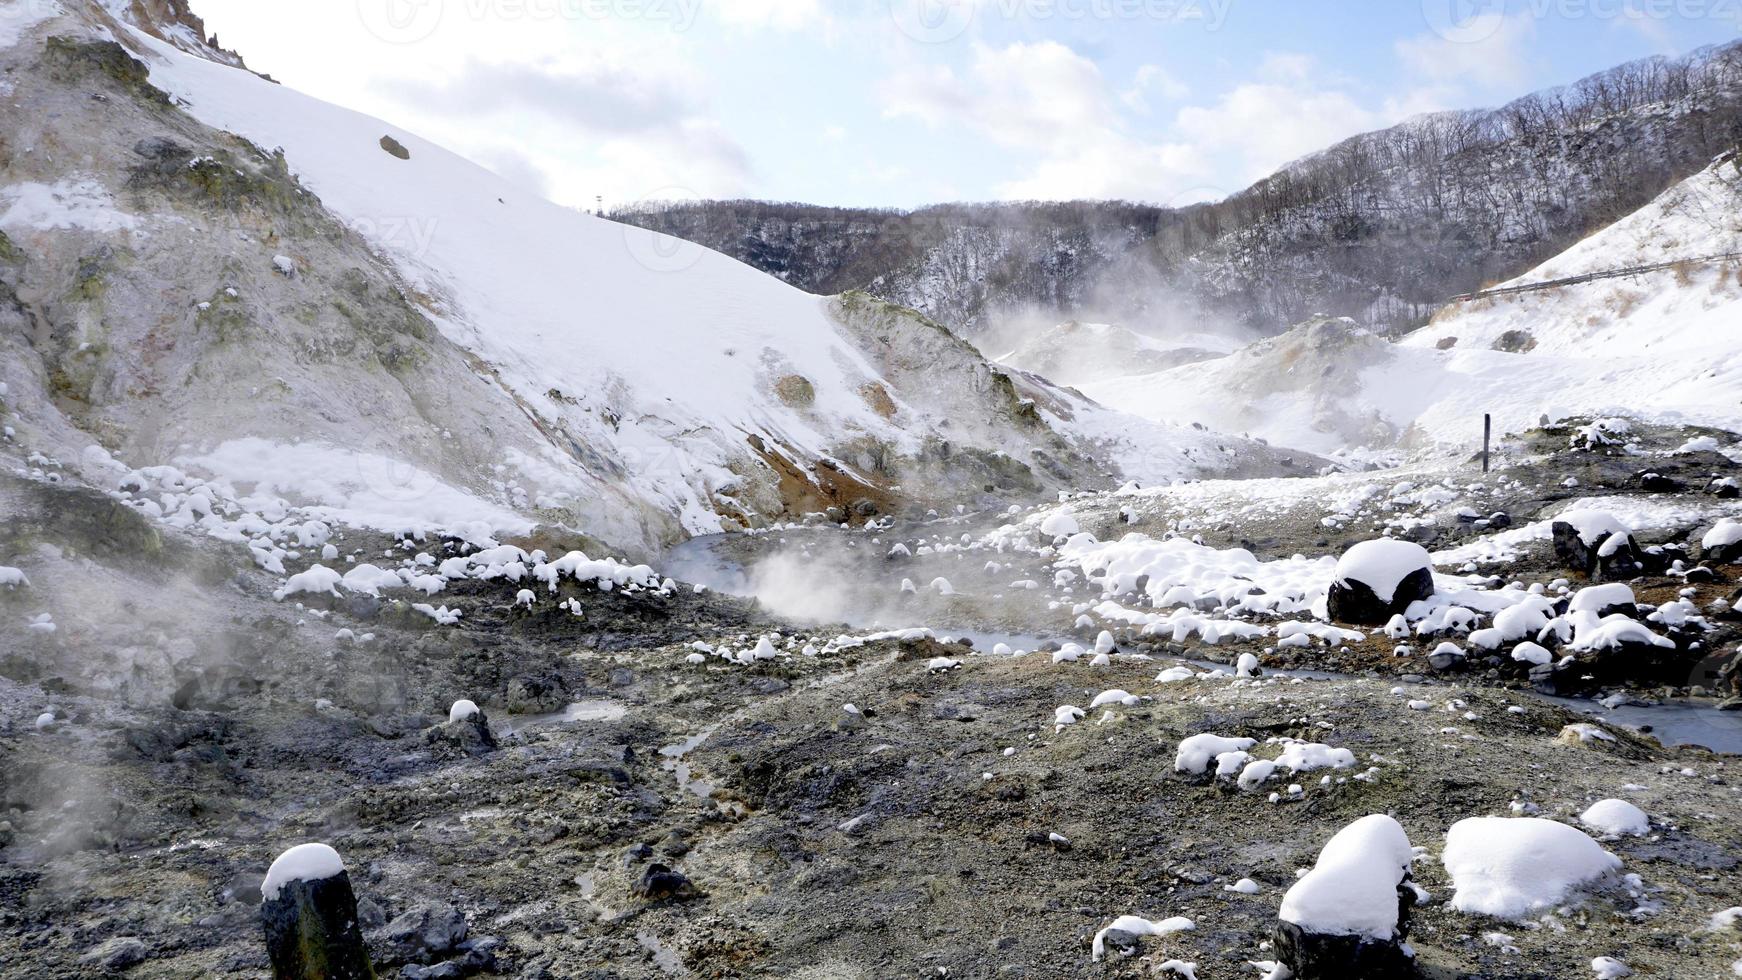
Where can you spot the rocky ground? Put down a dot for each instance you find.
(642, 815)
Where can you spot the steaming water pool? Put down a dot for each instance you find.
(853, 590)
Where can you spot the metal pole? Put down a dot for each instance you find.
(1487, 434)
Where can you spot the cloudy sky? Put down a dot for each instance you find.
(907, 102)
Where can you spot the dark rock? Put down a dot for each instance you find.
(1445, 661)
(115, 955)
(659, 882)
(1314, 956)
(1622, 562)
(635, 854)
(425, 934)
(1724, 554)
(1499, 520)
(395, 148)
(1554, 679)
(369, 914)
(1354, 603)
(244, 888)
(470, 735)
(483, 954)
(1653, 482)
(530, 694)
(312, 932)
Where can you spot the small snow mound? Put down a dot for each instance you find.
(1059, 525)
(1616, 817)
(1512, 868)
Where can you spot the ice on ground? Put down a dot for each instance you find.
(1513, 868)
(304, 862)
(67, 204)
(1352, 889)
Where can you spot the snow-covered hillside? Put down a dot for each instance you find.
(1659, 345)
(333, 309)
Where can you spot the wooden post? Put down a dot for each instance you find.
(1487, 435)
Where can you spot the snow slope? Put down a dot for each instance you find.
(665, 354)
(634, 386)
(1659, 346)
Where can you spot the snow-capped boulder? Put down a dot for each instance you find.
(1723, 543)
(1515, 867)
(1611, 599)
(310, 915)
(1378, 579)
(1596, 543)
(1348, 917)
(467, 730)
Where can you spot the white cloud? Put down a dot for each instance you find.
(1156, 81)
(1490, 51)
(1047, 99)
(1258, 127)
(1023, 95)
(1114, 166)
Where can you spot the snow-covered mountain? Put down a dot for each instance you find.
(1383, 227)
(1658, 344)
(210, 270)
